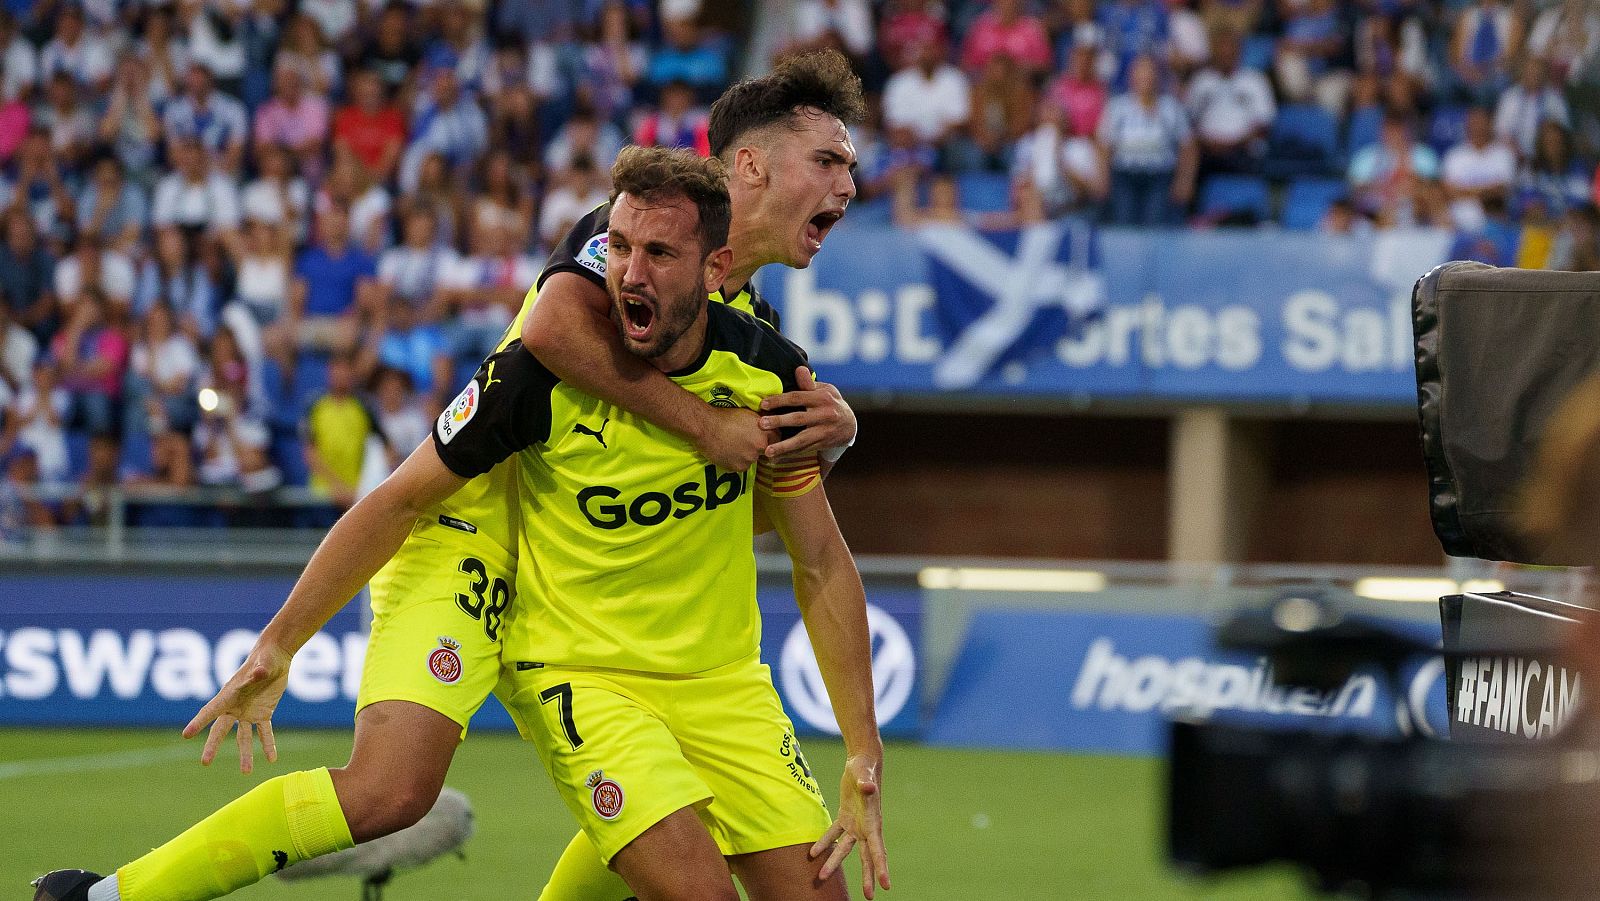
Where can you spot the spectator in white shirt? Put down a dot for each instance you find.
(448, 122)
(932, 98)
(277, 196)
(844, 24)
(411, 272)
(78, 50)
(582, 188)
(583, 135)
(1061, 168)
(219, 122)
(18, 351)
(1232, 108)
(1566, 35)
(21, 60)
(162, 368)
(1529, 103)
(70, 122)
(36, 421)
(1477, 169)
(92, 265)
(196, 197)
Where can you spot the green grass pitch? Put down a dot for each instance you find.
(960, 824)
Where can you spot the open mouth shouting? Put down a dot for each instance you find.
(818, 226)
(638, 316)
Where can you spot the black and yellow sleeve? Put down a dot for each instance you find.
(583, 250)
(503, 410)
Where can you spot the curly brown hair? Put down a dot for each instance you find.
(656, 174)
(820, 80)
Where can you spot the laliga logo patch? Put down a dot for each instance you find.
(459, 413)
(444, 662)
(593, 255)
(607, 795)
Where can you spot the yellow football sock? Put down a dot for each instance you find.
(580, 876)
(279, 822)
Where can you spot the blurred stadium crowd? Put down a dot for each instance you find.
(255, 243)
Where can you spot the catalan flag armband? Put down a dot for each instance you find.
(791, 477)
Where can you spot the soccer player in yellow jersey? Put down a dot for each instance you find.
(635, 646)
(462, 550)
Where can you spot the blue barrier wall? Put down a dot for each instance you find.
(1257, 315)
(150, 649)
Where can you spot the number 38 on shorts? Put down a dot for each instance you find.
(486, 596)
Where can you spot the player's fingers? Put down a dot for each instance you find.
(880, 857)
(797, 444)
(206, 715)
(804, 378)
(269, 744)
(827, 840)
(219, 731)
(841, 850)
(799, 419)
(247, 759)
(805, 399)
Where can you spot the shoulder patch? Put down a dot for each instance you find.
(460, 412)
(592, 256)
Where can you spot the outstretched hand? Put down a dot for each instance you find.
(246, 701)
(860, 821)
(824, 419)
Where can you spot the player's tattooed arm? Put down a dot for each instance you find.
(825, 420)
(352, 552)
(571, 332)
(834, 607)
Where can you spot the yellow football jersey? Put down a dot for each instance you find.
(641, 549)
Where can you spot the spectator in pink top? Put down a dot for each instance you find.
(1080, 92)
(907, 26)
(14, 121)
(92, 352)
(293, 118)
(1004, 29)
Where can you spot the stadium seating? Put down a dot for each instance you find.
(1447, 127)
(1304, 141)
(984, 192)
(1258, 51)
(1362, 129)
(1307, 201)
(1226, 196)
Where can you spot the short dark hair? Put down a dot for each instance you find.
(821, 80)
(655, 174)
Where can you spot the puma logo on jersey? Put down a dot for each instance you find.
(491, 380)
(581, 429)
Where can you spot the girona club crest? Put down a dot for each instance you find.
(445, 661)
(607, 795)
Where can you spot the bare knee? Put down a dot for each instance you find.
(376, 804)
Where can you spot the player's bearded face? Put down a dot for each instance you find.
(810, 185)
(655, 274)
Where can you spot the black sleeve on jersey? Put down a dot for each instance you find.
(758, 345)
(582, 250)
(765, 311)
(505, 409)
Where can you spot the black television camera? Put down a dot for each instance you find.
(1508, 805)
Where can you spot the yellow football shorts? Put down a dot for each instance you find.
(438, 611)
(626, 749)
